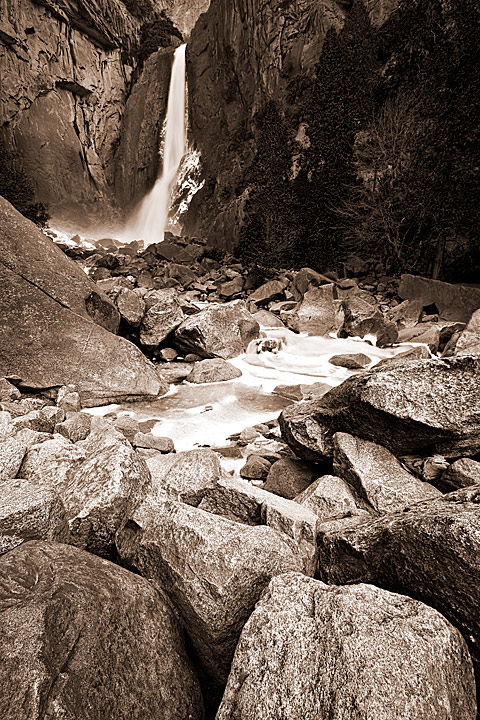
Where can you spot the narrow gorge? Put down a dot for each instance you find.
(239, 360)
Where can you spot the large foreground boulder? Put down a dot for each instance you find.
(45, 344)
(430, 551)
(218, 331)
(311, 651)
(213, 569)
(425, 406)
(31, 255)
(83, 638)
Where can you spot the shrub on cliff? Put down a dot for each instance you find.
(155, 34)
(16, 188)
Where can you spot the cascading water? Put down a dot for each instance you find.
(151, 218)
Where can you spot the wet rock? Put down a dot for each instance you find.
(417, 353)
(426, 406)
(213, 569)
(353, 361)
(256, 468)
(152, 442)
(161, 318)
(95, 640)
(76, 427)
(218, 331)
(289, 477)
(362, 318)
(184, 476)
(376, 474)
(468, 342)
(453, 302)
(331, 497)
(312, 651)
(430, 552)
(130, 306)
(30, 512)
(317, 313)
(270, 290)
(173, 372)
(213, 370)
(462, 473)
(267, 319)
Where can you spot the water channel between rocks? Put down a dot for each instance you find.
(206, 415)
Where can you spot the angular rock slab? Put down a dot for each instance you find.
(377, 475)
(430, 552)
(83, 638)
(426, 406)
(317, 313)
(469, 341)
(312, 651)
(218, 331)
(99, 489)
(31, 256)
(213, 569)
(185, 476)
(454, 302)
(47, 345)
(30, 512)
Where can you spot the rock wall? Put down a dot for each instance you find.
(234, 66)
(76, 114)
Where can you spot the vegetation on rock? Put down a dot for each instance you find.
(16, 188)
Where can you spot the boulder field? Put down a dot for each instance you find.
(335, 575)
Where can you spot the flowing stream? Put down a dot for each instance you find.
(199, 415)
(150, 220)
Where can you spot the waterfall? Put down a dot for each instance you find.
(151, 218)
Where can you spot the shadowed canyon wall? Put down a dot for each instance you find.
(330, 127)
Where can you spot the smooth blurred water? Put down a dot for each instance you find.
(196, 415)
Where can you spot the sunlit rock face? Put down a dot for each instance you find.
(184, 13)
(238, 57)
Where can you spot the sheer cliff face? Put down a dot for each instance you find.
(240, 54)
(81, 122)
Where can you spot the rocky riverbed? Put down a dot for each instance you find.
(283, 519)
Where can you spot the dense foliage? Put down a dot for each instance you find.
(389, 172)
(15, 187)
(155, 34)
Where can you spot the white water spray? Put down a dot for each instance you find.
(151, 218)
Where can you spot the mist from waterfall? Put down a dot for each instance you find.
(151, 218)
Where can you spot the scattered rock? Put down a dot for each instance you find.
(377, 476)
(185, 476)
(233, 287)
(267, 319)
(153, 442)
(161, 318)
(317, 313)
(93, 639)
(426, 333)
(218, 331)
(256, 468)
(76, 427)
(468, 342)
(289, 477)
(213, 370)
(462, 473)
(268, 291)
(68, 399)
(312, 651)
(428, 406)
(130, 306)
(127, 425)
(353, 361)
(330, 497)
(213, 569)
(363, 318)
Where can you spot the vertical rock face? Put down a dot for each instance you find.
(234, 64)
